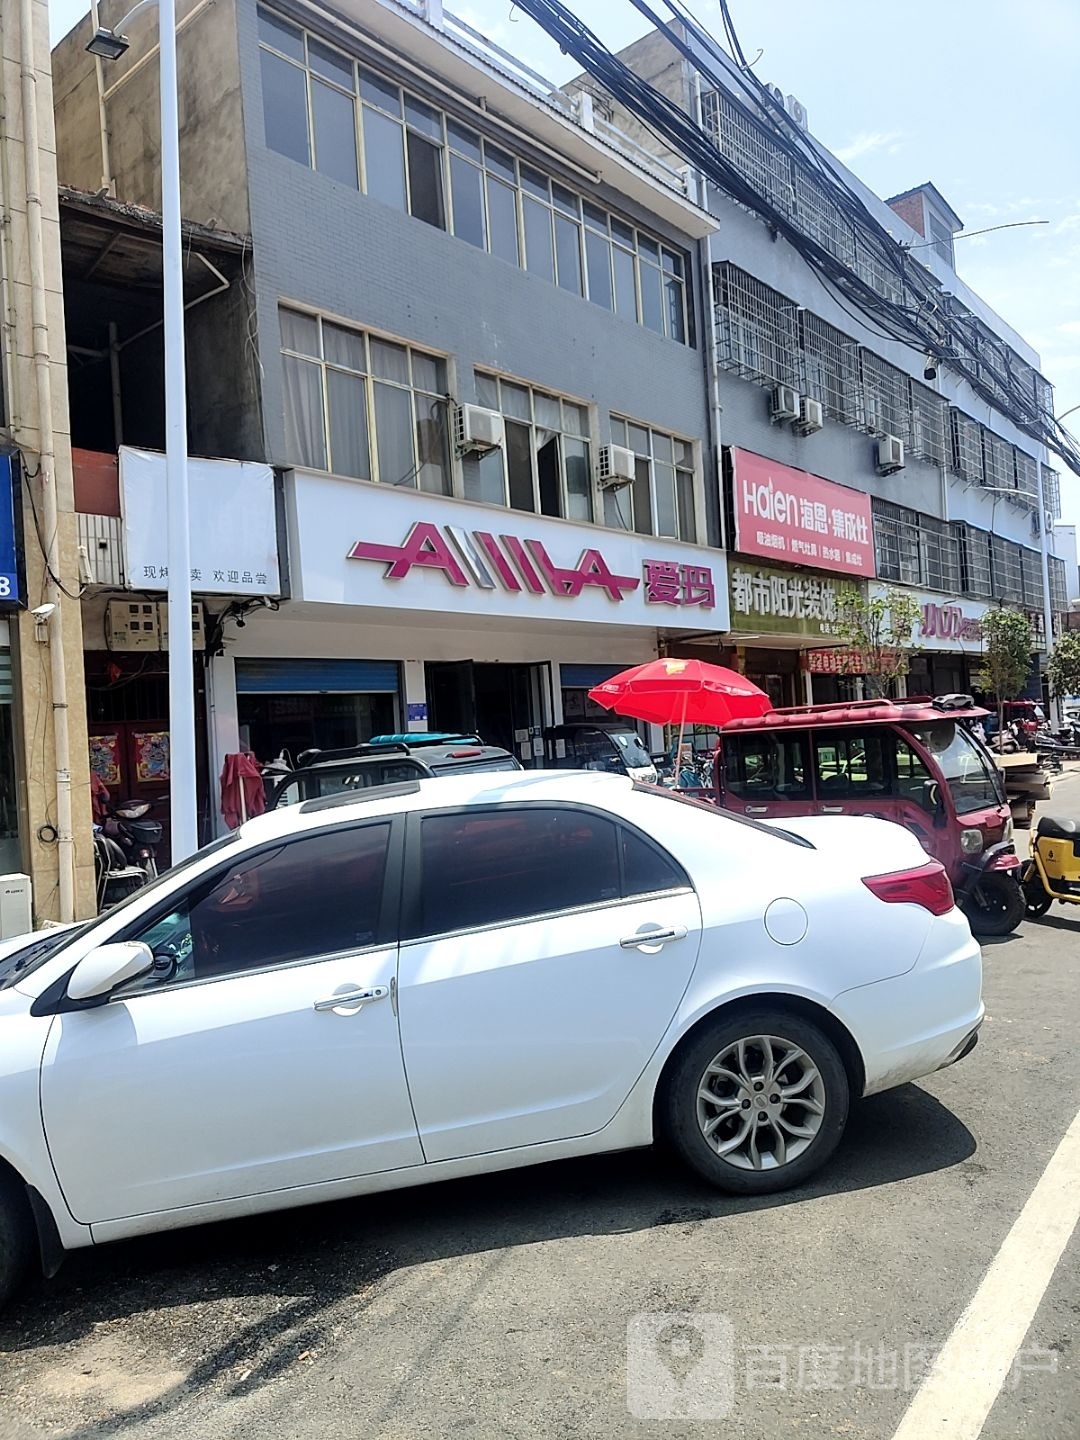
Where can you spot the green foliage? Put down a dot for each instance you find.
(1063, 667)
(1006, 663)
(878, 632)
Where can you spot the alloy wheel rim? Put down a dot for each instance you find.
(760, 1103)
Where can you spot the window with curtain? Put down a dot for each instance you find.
(364, 407)
(661, 499)
(544, 465)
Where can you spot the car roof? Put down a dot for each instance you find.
(442, 792)
(855, 712)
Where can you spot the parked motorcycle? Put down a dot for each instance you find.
(1052, 872)
(138, 838)
(115, 878)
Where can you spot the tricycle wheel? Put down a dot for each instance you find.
(995, 906)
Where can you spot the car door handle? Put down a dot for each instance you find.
(349, 999)
(832, 809)
(756, 809)
(652, 937)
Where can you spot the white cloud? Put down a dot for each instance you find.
(867, 142)
(1070, 327)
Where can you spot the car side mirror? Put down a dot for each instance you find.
(99, 973)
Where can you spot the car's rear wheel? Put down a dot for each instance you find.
(16, 1236)
(757, 1102)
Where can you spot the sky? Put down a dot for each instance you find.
(977, 96)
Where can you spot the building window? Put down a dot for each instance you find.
(544, 465)
(1027, 475)
(1059, 594)
(323, 109)
(929, 417)
(757, 328)
(1051, 485)
(364, 407)
(967, 452)
(916, 549)
(661, 499)
(975, 574)
(941, 238)
(831, 368)
(1032, 579)
(998, 466)
(1006, 569)
(886, 398)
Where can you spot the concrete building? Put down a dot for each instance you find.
(481, 340)
(808, 386)
(44, 779)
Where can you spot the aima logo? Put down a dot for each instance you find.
(478, 557)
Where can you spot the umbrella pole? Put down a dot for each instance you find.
(678, 748)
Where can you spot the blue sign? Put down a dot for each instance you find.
(10, 584)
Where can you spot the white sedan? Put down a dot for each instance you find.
(447, 977)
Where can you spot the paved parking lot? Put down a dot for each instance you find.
(500, 1307)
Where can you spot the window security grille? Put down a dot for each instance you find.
(967, 451)
(757, 329)
(1059, 594)
(871, 266)
(896, 543)
(929, 413)
(831, 366)
(757, 157)
(886, 398)
(1027, 475)
(940, 556)
(1031, 565)
(1051, 482)
(998, 462)
(994, 361)
(1044, 394)
(824, 221)
(1006, 571)
(975, 575)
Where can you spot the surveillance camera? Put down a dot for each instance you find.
(41, 613)
(930, 373)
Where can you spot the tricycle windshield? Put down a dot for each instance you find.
(965, 768)
(633, 751)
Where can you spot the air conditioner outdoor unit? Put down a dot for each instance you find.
(16, 908)
(477, 429)
(784, 404)
(811, 417)
(616, 467)
(797, 110)
(132, 625)
(890, 455)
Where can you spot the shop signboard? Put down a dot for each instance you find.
(11, 585)
(945, 623)
(353, 543)
(770, 600)
(786, 514)
(233, 524)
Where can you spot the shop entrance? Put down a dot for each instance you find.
(503, 704)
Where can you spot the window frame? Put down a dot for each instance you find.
(411, 929)
(652, 460)
(534, 425)
(389, 905)
(369, 379)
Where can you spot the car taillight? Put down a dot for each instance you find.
(927, 885)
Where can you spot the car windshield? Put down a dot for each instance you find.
(965, 767)
(17, 964)
(633, 751)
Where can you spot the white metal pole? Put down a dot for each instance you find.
(183, 803)
(1044, 550)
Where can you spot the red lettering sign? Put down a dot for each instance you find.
(783, 512)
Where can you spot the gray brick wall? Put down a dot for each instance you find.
(328, 246)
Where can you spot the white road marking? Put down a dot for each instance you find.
(956, 1397)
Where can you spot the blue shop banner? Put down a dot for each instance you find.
(11, 588)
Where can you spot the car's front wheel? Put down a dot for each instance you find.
(16, 1236)
(757, 1102)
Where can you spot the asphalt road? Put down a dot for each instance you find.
(512, 1306)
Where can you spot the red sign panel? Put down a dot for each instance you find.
(787, 514)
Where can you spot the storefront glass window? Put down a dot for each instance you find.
(545, 464)
(333, 410)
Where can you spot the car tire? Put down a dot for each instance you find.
(801, 1129)
(16, 1236)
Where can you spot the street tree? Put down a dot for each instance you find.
(1063, 667)
(1008, 641)
(877, 631)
